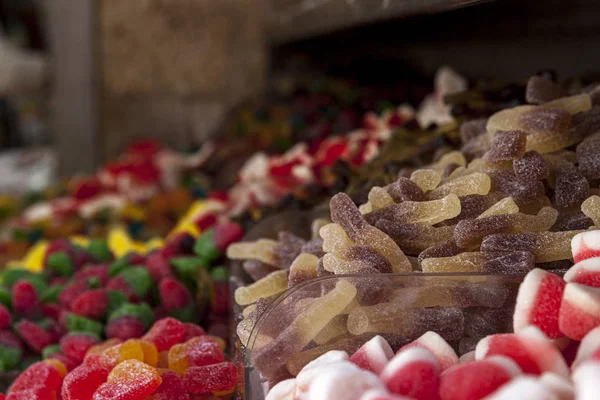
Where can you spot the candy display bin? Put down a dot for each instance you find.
(343, 312)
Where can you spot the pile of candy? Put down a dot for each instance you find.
(174, 360)
(84, 294)
(554, 353)
(523, 186)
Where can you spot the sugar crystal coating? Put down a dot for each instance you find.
(541, 90)
(506, 146)
(531, 166)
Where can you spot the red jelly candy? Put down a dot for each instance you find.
(51, 311)
(530, 349)
(586, 272)
(433, 342)
(171, 388)
(130, 380)
(120, 284)
(92, 304)
(71, 292)
(125, 327)
(227, 233)
(220, 300)
(38, 375)
(83, 381)
(538, 303)
(25, 300)
(35, 337)
(99, 272)
(5, 318)
(205, 221)
(76, 345)
(585, 245)
(373, 355)
(173, 295)
(158, 266)
(579, 310)
(414, 373)
(477, 379)
(9, 339)
(220, 377)
(165, 333)
(192, 331)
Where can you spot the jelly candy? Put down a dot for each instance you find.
(214, 378)
(475, 380)
(433, 342)
(166, 333)
(584, 245)
(414, 373)
(130, 380)
(373, 355)
(579, 310)
(33, 335)
(76, 345)
(538, 303)
(25, 300)
(82, 382)
(171, 388)
(274, 283)
(196, 352)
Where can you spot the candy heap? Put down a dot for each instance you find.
(511, 201)
(554, 353)
(83, 294)
(174, 360)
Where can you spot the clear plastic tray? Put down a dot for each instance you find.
(419, 296)
(460, 307)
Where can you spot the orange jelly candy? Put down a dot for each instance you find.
(129, 350)
(130, 380)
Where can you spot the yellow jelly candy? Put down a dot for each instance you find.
(150, 353)
(58, 365)
(129, 350)
(99, 348)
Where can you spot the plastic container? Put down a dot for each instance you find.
(481, 301)
(401, 307)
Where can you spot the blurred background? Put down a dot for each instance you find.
(81, 79)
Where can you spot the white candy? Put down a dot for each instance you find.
(585, 240)
(284, 390)
(559, 385)
(382, 395)
(523, 388)
(376, 353)
(587, 265)
(587, 380)
(345, 381)
(433, 342)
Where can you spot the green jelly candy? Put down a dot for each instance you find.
(115, 300)
(99, 250)
(139, 280)
(187, 268)
(187, 314)
(5, 297)
(60, 263)
(118, 266)
(205, 247)
(94, 282)
(76, 323)
(13, 275)
(219, 274)
(50, 295)
(9, 358)
(49, 350)
(142, 311)
(80, 333)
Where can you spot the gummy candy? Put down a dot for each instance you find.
(475, 380)
(274, 283)
(130, 380)
(82, 382)
(25, 300)
(171, 388)
(76, 345)
(165, 333)
(414, 373)
(215, 378)
(433, 342)
(538, 303)
(198, 352)
(373, 355)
